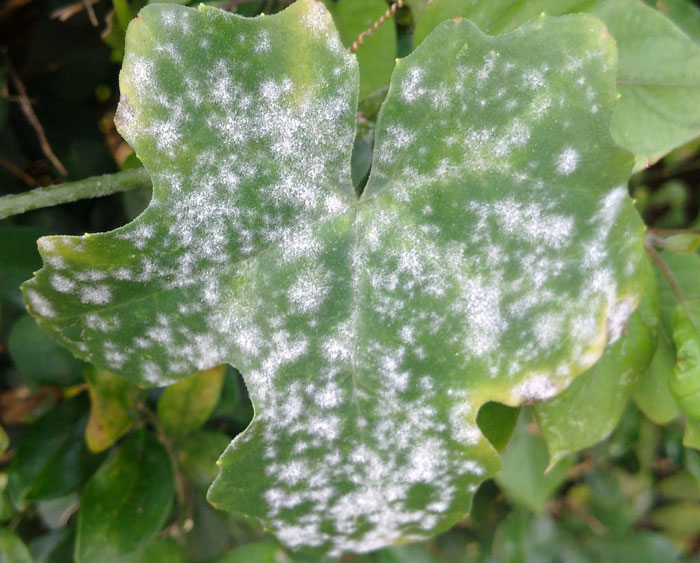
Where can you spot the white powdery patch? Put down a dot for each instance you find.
(530, 222)
(489, 64)
(534, 389)
(617, 317)
(40, 304)
(533, 79)
(97, 295)
(62, 283)
(481, 303)
(411, 88)
(567, 161)
(308, 292)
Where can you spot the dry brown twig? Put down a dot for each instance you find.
(385, 16)
(66, 12)
(26, 106)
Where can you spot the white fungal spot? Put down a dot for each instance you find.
(567, 161)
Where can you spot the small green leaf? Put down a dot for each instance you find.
(198, 452)
(652, 393)
(527, 538)
(590, 408)
(126, 502)
(19, 259)
(679, 486)
(4, 440)
(163, 550)
(681, 243)
(258, 552)
(12, 549)
(52, 459)
(682, 516)
(54, 547)
(186, 405)
(691, 436)
(377, 52)
(685, 381)
(37, 355)
(497, 422)
(525, 475)
(113, 408)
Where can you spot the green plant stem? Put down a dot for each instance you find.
(97, 186)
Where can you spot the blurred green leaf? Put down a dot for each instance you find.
(377, 52)
(113, 408)
(361, 161)
(637, 547)
(590, 408)
(12, 549)
(258, 552)
(415, 553)
(685, 380)
(652, 393)
(55, 512)
(186, 405)
(54, 547)
(162, 550)
(618, 498)
(679, 486)
(684, 13)
(19, 259)
(40, 357)
(126, 502)
(198, 452)
(682, 516)
(682, 243)
(52, 459)
(4, 440)
(524, 475)
(497, 422)
(524, 538)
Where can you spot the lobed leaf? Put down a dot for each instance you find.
(659, 71)
(491, 257)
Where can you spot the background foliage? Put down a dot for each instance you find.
(97, 469)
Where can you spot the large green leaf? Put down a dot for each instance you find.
(492, 255)
(590, 408)
(659, 70)
(126, 502)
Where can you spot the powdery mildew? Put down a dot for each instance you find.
(480, 264)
